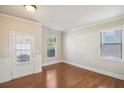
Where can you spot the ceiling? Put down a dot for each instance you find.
(64, 17)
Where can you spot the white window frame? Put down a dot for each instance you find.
(109, 58)
(55, 46)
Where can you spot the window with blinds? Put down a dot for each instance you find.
(111, 43)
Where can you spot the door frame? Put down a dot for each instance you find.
(11, 55)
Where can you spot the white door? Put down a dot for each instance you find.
(22, 54)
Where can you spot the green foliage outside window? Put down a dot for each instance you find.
(51, 44)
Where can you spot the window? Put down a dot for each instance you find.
(111, 44)
(51, 46)
(23, 48)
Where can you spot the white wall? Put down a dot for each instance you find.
(81, 48)
(46, 60)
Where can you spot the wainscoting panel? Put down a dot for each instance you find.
(5, 70)
(38, 64)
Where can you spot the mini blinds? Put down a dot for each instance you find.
(111, 43)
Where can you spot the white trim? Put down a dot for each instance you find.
(101, 71)
(93, 24)
(51, 62)
(35, 59)
(51, 29)
(19, 18)
(112, 59)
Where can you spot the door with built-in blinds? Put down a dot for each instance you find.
(22, 54)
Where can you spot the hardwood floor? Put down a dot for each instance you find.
(64, 76)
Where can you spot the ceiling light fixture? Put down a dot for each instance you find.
(30, 8)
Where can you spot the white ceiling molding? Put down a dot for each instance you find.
(19, 18)
(93, 24)
(66, 18)
(50, 29)
(65, 31)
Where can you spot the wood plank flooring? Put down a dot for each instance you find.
(63, 75)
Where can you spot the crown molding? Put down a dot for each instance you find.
(51, 29)
(19, 18)
(65, 31)
(93, 24)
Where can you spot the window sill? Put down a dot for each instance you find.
(51, 57)
(19, 63)
(112, 59)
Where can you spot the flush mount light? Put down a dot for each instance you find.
(30, 8)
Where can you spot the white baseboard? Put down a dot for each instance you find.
(51, 62)
(111, 74)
